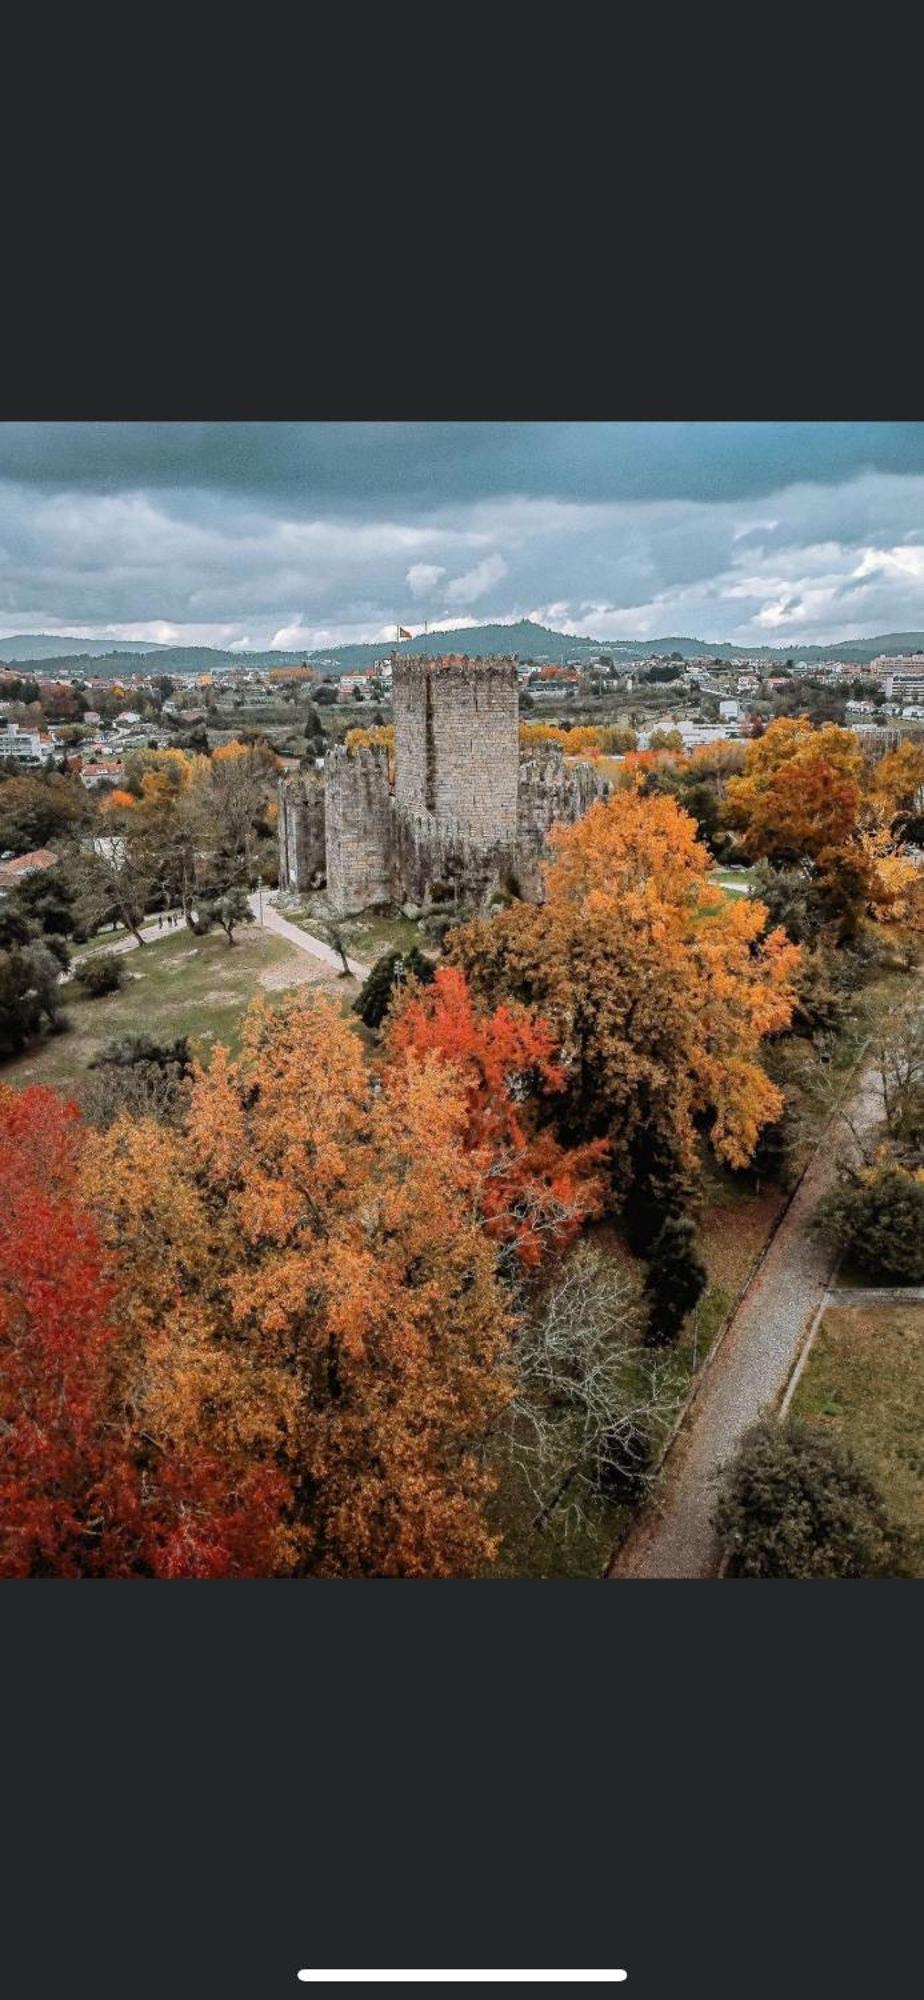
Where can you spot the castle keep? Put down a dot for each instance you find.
(463, 817)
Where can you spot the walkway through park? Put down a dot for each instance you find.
(750, 1370)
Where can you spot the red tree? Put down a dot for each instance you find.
(535, 1193)
(81, 1491)
(69, 1492)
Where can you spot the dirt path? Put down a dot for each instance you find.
(674, 1537)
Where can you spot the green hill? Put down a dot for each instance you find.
(47, 646)
(527, 639)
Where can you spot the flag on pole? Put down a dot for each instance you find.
(402, 634)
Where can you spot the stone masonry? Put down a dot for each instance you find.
(465, 815)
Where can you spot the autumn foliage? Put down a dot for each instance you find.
(313, 1300)
(84, 1489)
(535, 1194)
(799, 800)
(659, 990)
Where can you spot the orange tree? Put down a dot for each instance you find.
(535, 1194)
(896, 781)
(312, 1293)
(659, 989)
(799, 802)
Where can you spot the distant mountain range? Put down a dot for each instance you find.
(48, 646)
(45, 655)
(39, 651)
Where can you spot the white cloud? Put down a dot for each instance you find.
(422, 577)
(466, 589)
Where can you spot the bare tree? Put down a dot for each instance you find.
(899, 1054)
(590, 1402)
(113, 882)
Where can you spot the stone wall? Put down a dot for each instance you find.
(302, 848)
(359, 818)
(456, 747)
(550, 792)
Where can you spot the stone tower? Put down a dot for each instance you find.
(456, 748)
(456, 769)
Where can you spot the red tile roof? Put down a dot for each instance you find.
(24, 864)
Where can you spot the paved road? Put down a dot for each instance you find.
(750, 1370)
(272, 921)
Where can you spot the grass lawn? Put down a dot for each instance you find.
(736, 1225)
(367, 936)
(864, 1378)
(734, 879)
(178, 985)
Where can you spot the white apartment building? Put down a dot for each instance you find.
(24, 746)
(896, 663)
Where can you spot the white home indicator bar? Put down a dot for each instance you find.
(367, 1978)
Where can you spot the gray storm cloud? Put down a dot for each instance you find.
(310, 534)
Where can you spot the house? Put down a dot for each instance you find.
(14, 871)
(107, 771)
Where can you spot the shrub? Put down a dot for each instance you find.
(795, 1502)
(877, 1217)
(104, 973)
(374, 997)
(140, 1076)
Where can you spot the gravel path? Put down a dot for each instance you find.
(749, 1372)
(303, 939)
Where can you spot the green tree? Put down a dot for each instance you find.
(676, 1279)
(876, 1215)
(388, 973)
(46, 898)
(795, 1502)
(227, 911)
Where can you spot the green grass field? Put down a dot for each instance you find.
(733, 879)
(864, 1378)
(178, 985)
(367, 936)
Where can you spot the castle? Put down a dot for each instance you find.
(464, 816)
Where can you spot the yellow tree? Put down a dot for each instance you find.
(799, 802)
(799, 795)
(659, 989)
(897, 780)
(311, 1290)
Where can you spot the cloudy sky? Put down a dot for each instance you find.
(307, 535)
